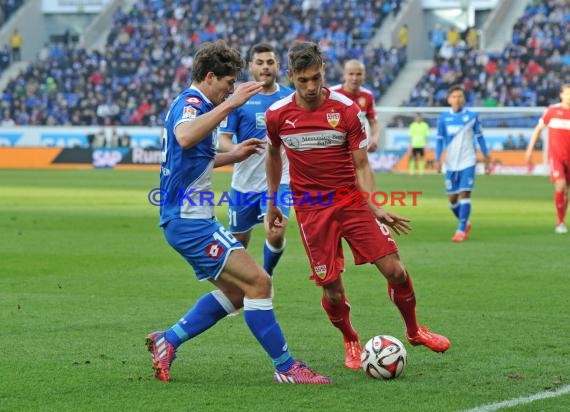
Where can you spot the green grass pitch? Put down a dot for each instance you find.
(85, 274)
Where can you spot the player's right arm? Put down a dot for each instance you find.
(439, 143)
(533, 139)
(188, 134)
(273, 171)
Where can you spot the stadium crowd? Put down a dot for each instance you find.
(148, 56)
(8, 8)
(9, 52)
(528, 72)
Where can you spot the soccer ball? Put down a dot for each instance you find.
(384, 357)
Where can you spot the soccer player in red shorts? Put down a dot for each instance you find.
(325, 141)
(557, 118)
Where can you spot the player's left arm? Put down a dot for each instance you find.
(365, 180)
(374, 134)
(273, 171)
(482, 145)
(374, 125)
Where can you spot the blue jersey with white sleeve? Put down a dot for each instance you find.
(459, 132)
(186, 174)
(246, 122)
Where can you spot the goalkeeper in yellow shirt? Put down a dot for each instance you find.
(419, 132)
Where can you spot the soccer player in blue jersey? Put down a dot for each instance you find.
(190, 226)
(459, 130)
(247, 122)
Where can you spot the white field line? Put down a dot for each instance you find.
(564, 390)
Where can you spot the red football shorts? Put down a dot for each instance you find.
(322, 231)
(559, 169)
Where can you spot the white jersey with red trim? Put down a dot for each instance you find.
(318, 143)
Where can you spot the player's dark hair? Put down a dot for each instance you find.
(304, 54)
(455, 88)
(216, 57)
(261, 48)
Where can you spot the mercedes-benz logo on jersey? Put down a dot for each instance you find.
(291, 142)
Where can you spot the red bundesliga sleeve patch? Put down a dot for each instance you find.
(189, 112)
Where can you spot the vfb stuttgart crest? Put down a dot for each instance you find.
(333, 118)
(321, 271)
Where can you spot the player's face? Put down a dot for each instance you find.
(456, 100)
(264, 67)
(221, 88)
(565, 97)
(309, 86)
(353, 77)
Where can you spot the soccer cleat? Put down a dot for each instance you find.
(459, 237)
(233, 314)
(561, 229)
(435, 342)
(352, 354)
(300, 374)
(467, 229)
(163, 353)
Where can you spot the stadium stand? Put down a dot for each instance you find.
(8, 8)
(528, 72)
(147, 59)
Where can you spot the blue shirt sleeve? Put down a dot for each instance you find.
(483, 145)
(478, 134)
(438, 149)
(440, 137)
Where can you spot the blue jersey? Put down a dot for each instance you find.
(246, 122)
(186, 175)
(459, 133)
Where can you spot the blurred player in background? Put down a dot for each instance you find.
(557, 118)
(419, 133)
(190, 227)
(246, 122)
(326, 144)
(353, 78)
(458, 130)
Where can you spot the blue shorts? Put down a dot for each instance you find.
(247, 209)
(460, 180)
(204, 243)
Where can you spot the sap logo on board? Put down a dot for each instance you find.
(106, 158)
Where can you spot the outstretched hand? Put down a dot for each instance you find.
(248, 147)
(400, 225)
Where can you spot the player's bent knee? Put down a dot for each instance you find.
(260, 287)
(334, 295)
(392, 268)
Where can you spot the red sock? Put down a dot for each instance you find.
(561, 202)
(402, 295)
(340, 318)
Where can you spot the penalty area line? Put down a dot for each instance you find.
(564, 390)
